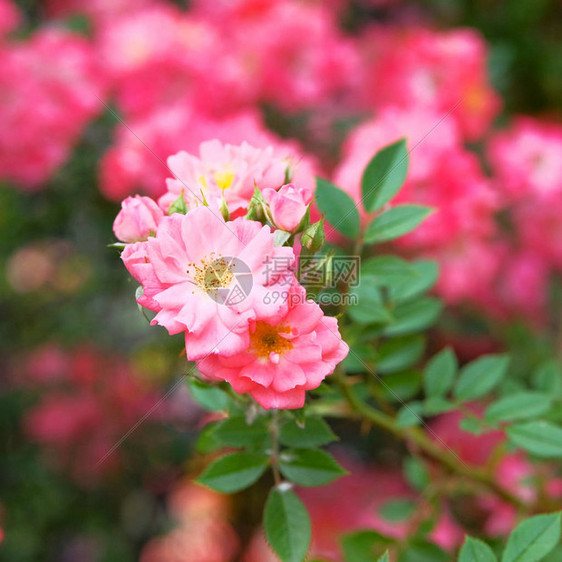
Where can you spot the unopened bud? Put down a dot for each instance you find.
(313, 236)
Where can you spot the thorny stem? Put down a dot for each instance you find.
(425, 444)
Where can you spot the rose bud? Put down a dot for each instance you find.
(137, 220)
(288, 205)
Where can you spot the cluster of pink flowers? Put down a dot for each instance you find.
(45, 101)
(417, 67)
(211, 272)
(88, 401)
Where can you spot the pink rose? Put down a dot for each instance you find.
(288, 205)
(192, 268)
(137, 220)
(286, 355)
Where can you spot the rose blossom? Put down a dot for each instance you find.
(525, 159)
(287, 354)
(288, 205)
(193, 259)
(10, 17)
(137, 220)
(41, 101)
(414, 67)
(222, 170)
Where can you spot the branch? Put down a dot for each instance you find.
(425, 444)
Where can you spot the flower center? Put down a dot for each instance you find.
(224, 178)
(212, 274)
(267, 339)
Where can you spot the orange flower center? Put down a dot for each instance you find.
(267, 339)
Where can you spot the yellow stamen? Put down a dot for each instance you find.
(212, 274)
(203, 181)
(224, 178)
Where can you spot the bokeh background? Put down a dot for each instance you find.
(94, 96)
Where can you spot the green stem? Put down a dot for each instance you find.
(425, 444)
(274, 428)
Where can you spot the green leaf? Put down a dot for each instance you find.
(210, 397)
(234, 472)
(396, 222)
(409, 415)
(396, 354)
(361, 545)
(370, 307)
(437, 405)
(548, 378)
(427, 273)
(401, 386)
(481, 376)
(416, 473)
(517, 407)
(440, 373)
(359, 354)
(472, 425)
(388, 271)
(474, 550)
(207, 441)
(533, 539)
(309, 467)
(236, 432)
(315, 433)
(398, 509)
(384, 175)
(338, 207)
(414, 316)
(287, 525)
(384, 557)
(539, 438)
(423, 551)
(178, 206)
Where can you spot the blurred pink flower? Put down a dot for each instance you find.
(472, 449)
(526, 160)
(40, 101)
(539, 229)
(419, 68)
(294, 51)
(84, 410)
(159, 56)
(99, 11)
(10, 17)
(522, 286)
(202, 532)
(459, 281)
